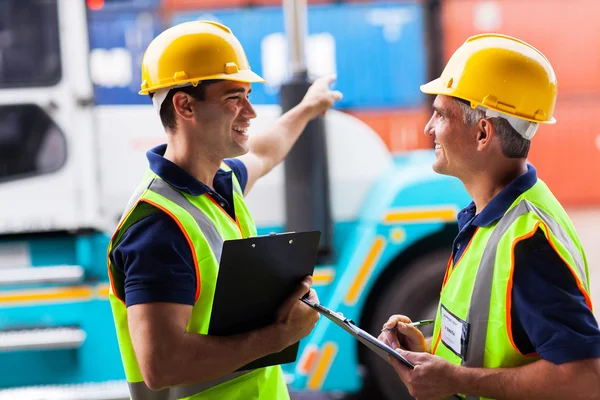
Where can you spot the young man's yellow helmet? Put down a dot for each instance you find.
(502, 74)
(192, 52)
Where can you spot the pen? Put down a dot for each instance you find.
(416, 323)
(422, 322)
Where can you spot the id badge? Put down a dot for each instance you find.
(454, 332)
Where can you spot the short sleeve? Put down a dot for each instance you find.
(157, 262)
(549, 311)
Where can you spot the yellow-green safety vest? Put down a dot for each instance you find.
(205, 225)
(477, 288)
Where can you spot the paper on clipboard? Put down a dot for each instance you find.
(381, 349)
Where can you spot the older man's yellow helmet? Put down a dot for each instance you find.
(502, 74)
(192, 52)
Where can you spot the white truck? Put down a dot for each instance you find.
(68, 166)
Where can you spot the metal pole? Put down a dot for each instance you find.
(306, 170)
(296, 30)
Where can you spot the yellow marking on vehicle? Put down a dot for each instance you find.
(365, 270)
(323, 276)
(397, 235)
(308, 359)
(102, 290)
(328, 353)
(53, 295)
(420, 215)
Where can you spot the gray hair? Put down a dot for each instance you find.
(513, 144)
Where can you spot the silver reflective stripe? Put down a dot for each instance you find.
(181, 392)
(139, 390)
(479, 308)
(565, 239)
(133, 201)
(206, 226)
(237, 187)
(236, 184)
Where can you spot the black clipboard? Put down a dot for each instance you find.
(381, 349)
(255, 276)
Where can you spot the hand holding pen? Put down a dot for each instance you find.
(400, 332)
(416, 323)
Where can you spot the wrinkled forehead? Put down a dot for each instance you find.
(447, 106)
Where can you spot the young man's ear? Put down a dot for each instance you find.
(182, 104)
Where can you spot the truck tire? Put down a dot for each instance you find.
(414, 292)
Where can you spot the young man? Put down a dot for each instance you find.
(164, 256)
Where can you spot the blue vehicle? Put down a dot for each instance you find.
(73, 136)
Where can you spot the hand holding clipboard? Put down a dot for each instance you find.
(380, 348)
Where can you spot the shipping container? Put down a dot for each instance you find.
(401, 129)
(118, 40)
(565, 31)
(117, 5)
(567, 154)
(280, 2)
(202, 4)
(376, 50)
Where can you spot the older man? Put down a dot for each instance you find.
(515, 318)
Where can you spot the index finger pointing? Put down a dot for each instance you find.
(329, 79)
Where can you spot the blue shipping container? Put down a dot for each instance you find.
(121, 5)
(118, 40)
(377, 50)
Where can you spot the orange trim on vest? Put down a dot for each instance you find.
(509, 289)
(437, 342)
(112, 282)
(226, 213)
(198, 280)
(447, 275)
(450, 268)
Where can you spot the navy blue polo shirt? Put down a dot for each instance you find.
(549, 313)
(154, 255)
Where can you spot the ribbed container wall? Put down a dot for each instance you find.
(376, 50)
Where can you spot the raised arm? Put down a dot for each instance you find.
(270, 147)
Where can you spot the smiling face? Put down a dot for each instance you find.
(455, 142)
(222, 119)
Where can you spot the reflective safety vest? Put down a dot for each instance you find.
(473, 322)
(205, 225)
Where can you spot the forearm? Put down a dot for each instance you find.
(199, 358)
(273, 144)
(540, 380)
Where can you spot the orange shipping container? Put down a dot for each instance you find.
(565, 31)
(567, 154)
(401, 130)
(280, 2)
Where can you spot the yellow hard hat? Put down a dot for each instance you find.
(503, 74)
(192, 52)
